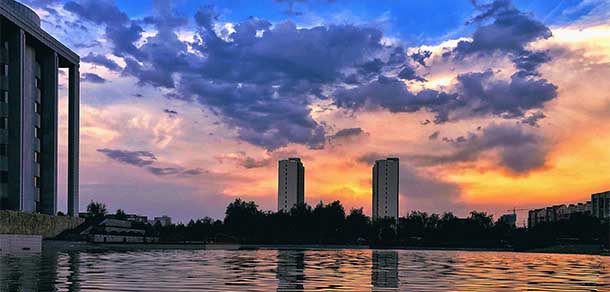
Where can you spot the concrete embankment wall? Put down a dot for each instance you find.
(12, 222)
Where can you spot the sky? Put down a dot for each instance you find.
(187, 105)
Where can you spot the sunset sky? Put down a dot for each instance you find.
(187, 105)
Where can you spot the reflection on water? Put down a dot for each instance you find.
(290, 270)
(302, 270)
(384, 273)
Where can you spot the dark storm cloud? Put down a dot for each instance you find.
(533, 119)
(509, 33)
(348, 132)
(476, 94)
(519, 151)
(119, 28)
(173, 171)
(147, 160)
(370, 158)
(170, 112)
(137, 158)
(101, 60)
(92, 78)
(264, 84)
(243, 160)
(262, 79)
(507, 99)
(421, 56)
(408, 73)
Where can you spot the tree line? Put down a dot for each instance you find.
(245, 223)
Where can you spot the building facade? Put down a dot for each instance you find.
(162, 220)
(30, 59)
(385, 188)
(291, 184)
(600, 205)
(557, 213)
(509, 219)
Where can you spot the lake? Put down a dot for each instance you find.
(302, 270)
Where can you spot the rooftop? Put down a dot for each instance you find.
(26, 13)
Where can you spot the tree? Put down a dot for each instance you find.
(357, 225)
(96, 209)
(242, 218)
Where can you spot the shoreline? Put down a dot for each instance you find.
(67, 246)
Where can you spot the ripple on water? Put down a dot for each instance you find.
(303, 270)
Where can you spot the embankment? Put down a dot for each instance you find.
(12, 222)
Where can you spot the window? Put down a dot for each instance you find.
(3, 149)
(4, 96)
(37, 182)
(36, 132)
(37, 108)
(5, 70)
(4, 123)
(37, 82)
(36, 156)
(3, 176)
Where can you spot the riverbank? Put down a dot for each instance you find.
(67, 246)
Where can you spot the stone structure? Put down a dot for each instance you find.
(29, 62)
(12, 222)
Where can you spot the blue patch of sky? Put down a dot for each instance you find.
(413, 22)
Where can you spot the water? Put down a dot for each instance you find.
(309, 270)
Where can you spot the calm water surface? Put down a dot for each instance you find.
(308, 270)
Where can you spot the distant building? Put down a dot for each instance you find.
(30, 59)
(291, 184)
(136, 218)
(557, 213)
(163, 221)
(600, 205)
(111, 230)
(385, 188)
(509, 219)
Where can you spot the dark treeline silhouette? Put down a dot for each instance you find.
(329, 224)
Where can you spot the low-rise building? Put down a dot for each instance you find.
(137, 218)
(116, 231)
(557, 213)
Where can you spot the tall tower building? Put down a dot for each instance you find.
(385, 188)
(291, 184)
(29, 63)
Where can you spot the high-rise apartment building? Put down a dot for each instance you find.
(385, 188)
(291, 184)
(600, 205)
(30, 59)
